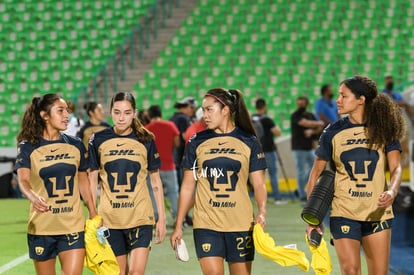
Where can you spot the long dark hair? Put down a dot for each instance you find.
(142, 133)
(383, 116)
(90, 107)
(32, 123)
(234, 100)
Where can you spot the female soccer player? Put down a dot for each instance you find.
(360, 146)
(219, 161)
(51, 169)
(95, 123)
(122, 156)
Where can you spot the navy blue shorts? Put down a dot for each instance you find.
(45, 247)
(351, 229)
(232, 246)
(123, 241)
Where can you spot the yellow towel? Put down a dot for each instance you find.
(100, 259)
(321, 261)
(283, 256)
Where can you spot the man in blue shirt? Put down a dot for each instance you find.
(325, 107)
(389, 86)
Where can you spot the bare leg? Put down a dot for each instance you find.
(47, 267)
(377, 252)
(242, 268)
(72, 261)
(348, 251)
(212, 265)
(123, 264)
(138, 260)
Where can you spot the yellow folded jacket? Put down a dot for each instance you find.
(321, 261)
(281, 255)
(100, 259)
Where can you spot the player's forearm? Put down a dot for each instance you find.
(185, 202)
(318, 167)
(260, 195)
(395, 180)
(159, 197)
(85, 191)
(93, 184)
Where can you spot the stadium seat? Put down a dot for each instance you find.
(56, 46)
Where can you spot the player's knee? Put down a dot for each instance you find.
(136, 271)
(350, 269)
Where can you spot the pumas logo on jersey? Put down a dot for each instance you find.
(345, 229)
(58, 180)
(206, 247)
(39, 250)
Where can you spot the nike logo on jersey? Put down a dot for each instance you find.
(221, 143)
(243, 254)
(120, 144)
(54, 150)
(357, 133)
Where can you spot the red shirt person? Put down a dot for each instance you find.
(166, 138)
(198, 126)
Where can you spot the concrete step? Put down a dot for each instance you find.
(164, 35)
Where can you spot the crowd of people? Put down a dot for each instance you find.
(207, 159)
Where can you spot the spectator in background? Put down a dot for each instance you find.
(167, 137)
(182, 118)
(95, 123)
(270, 129)
(389, 90)
(198, 125)
(304, 127)
(325, 107)
(75, 123)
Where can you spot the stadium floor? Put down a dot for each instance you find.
(283, 224)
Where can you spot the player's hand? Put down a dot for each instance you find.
(261, 219)
(40, 205)
(176, 236)
(160, 231)
(386, 199)
(309, 229)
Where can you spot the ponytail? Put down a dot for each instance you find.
(142, 133)
(33, 125)
(234, 100)
(385, 122)
(383, 117)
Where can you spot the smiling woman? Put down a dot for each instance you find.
(51, 169)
